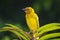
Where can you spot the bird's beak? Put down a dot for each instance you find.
(23, 9)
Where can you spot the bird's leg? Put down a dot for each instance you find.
(28, 32)
(32, 34)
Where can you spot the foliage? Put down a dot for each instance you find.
(43, 32)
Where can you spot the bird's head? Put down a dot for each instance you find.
(28, 10)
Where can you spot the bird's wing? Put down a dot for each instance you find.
(37, 20)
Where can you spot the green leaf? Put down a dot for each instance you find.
(14, 30)
(49, 36)
(20, 30)
(5, 38)
(47, 28)
(55, 39)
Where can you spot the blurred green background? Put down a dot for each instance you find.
(47, 10)
(11, 12)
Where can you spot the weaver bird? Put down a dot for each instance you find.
(31, 19)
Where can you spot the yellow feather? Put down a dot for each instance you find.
(31, 19)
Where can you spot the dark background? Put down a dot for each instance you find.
(11, 12)
(47, 10)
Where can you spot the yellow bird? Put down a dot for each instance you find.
(31, 19)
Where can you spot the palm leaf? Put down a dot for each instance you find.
(48, 36)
